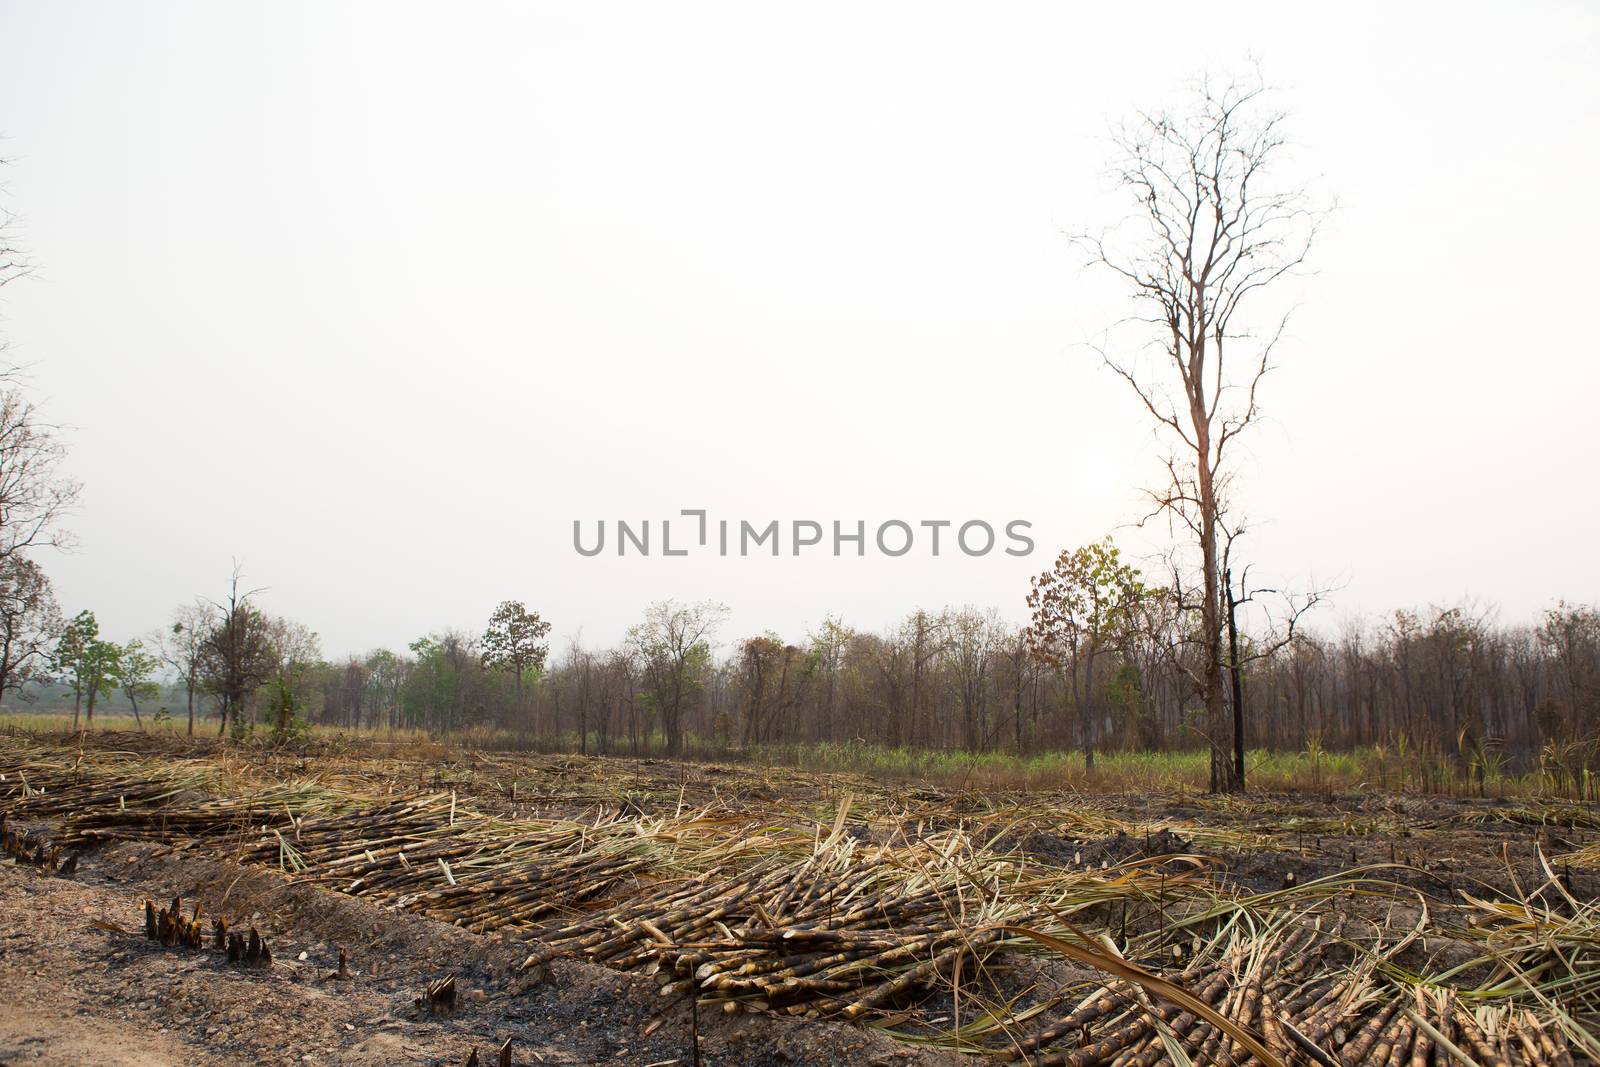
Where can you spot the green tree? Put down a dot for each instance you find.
(515, 642)
(91, 665)
(284, 711)
(445, 688)
(136, 670)
(1084, 606)
(237, 655)
(297, 655)
(385, 684)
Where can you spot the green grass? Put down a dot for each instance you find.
(1165, 771)
(1315, 770)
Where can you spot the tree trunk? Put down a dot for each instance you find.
(5, 667)
(1086, 710)
(1238, 687)
(519, 711)
(1016, 707)
(1211, 608)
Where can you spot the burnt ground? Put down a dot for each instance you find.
(83, 985)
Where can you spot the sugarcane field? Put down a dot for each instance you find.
(363, 903)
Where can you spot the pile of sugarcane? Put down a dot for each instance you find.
(1276, 994)
(825, 933)
(43, 791)
(241, 816)
(1245, 995)
(149, 803)
(428, 855)
(384, 836)
(455, 866)
(832, 933)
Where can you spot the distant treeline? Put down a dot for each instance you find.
(1444, 680)
(1104, 665)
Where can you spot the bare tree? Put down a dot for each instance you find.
(389, 672)
(34, 494)
(622, 692)
(587, 682)
(1282, 613)
(1570, 636)
(1021, 669)
(1212, 232)
(927, 635)
(13, 262)
(181, 644)
(828, 646)
(975, 637)
(772, 677)
(674, 649)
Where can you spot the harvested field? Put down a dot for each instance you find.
(650, 912)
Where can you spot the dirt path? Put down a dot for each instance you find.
(33, 1036)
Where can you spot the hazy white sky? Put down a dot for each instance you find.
(379, 299)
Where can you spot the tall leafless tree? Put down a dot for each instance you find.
(1213, 229)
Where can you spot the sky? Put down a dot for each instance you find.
(378, 300)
